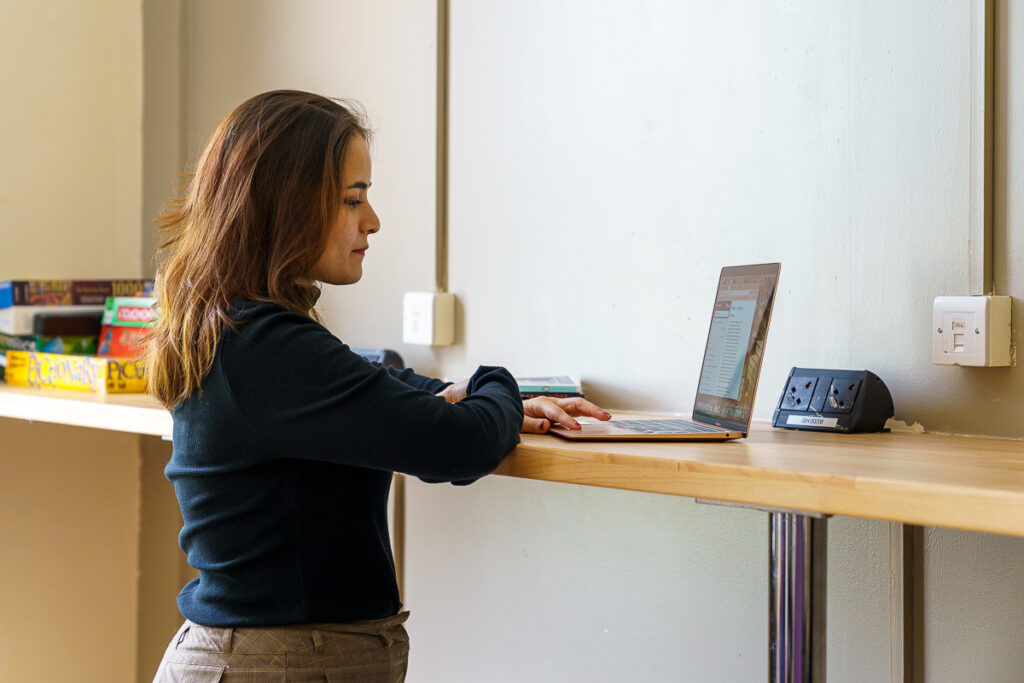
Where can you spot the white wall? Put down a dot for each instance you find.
(515, 580)
(617, 171)
(605, 165)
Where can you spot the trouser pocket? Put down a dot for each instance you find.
(174, 672)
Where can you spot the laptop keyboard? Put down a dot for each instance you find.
(663, 426)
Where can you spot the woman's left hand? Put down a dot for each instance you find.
(541, 412)
(454, 392)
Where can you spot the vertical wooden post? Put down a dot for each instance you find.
(398, 542)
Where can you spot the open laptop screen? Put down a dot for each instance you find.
(735, 346)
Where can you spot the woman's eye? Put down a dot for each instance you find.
(353, 202)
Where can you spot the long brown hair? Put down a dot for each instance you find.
(253, 221)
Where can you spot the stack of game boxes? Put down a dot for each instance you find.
(50, 333)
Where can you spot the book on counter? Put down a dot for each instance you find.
(80, 373)
(561, 386)
(69, 292)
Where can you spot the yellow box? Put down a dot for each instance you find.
(81, 373)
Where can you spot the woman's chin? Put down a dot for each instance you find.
(340, 280)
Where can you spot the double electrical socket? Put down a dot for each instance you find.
(971, 330)
(833, 400)
(838, 399)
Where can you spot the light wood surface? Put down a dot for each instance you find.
(972, 483)
(135, 413)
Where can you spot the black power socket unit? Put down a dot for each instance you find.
(833, 401)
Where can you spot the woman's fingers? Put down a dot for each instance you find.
(581, 406)
(551, 409)
(543, 406)
(535, 425)
(453, 393)
(542, 410)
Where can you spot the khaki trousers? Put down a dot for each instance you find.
(374, 651)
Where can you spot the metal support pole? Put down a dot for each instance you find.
(796, 591)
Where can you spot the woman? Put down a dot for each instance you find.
(285, 440)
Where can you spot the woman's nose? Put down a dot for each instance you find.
(373, 222)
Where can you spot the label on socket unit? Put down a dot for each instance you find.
(812, 421)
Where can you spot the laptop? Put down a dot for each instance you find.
(728, 375)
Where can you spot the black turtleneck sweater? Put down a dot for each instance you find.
(282, 466)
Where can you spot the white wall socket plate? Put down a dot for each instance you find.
(428, 318)
(971, 330)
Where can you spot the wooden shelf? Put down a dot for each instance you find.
(972, 483)
(136, 413)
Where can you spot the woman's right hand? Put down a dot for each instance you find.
(542, 412)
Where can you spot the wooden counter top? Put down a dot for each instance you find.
(961, 482)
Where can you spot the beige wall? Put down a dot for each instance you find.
(69, 524)
(162, 567)
(71, 143)
(72, 138)
(381, 54)
(163, 117)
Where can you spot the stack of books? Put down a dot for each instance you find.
(50, 331)
(555, 387)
